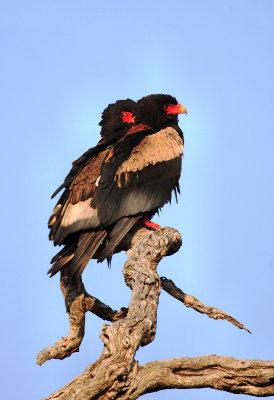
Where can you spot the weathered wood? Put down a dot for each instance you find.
(190, 301)
(77, 301)
(116, 374)
(253, 377)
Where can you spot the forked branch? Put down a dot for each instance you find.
(116, 374)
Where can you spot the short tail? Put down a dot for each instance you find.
(118, 232)
(76, 256)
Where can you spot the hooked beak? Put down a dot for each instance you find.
(182, 110)
(175, 109)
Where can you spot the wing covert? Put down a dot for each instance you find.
(144, 180)
(74, 211)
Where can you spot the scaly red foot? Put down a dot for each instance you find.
(151, 225)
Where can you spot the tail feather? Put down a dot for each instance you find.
(61, 259)
(118, 232)
(63, 253)
(76, 257)
(84, 252)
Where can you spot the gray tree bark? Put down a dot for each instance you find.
(116, 374)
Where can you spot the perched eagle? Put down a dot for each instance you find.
(121, 182)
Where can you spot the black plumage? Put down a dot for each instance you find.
(74, 223)
(141, 183)
(113, 128)
(123, 182)
(152, 110)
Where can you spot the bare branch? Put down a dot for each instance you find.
(102, 310)
(116, 366)
(253, 377)
(190, 301)
(78, 301)
(116, 374)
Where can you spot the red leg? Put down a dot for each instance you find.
(151, 225)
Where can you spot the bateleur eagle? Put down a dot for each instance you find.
(114, 188)
(116, 120)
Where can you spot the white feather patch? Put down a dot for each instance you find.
(81, 212)
(97, 180)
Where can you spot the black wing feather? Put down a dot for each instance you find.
(79, 164)
(145, 190)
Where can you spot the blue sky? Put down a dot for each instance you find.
(62, 63)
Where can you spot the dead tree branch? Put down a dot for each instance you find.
(253, 377)
(190, 301)
(116, 374)
(78, 301)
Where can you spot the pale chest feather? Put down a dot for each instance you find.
(162, 146)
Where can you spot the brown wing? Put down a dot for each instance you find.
(74, 211)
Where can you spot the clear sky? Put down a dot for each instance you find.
(62, 63)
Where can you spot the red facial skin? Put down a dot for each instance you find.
(175, 109)
(127, 117)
